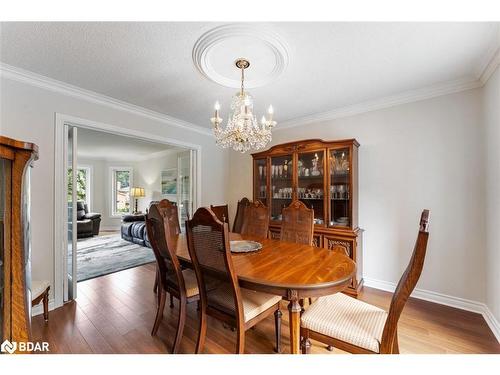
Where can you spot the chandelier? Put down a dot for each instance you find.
(243, 132)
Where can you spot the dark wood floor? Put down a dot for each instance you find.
(115, 313)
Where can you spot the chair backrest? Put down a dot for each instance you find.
(210, 252)
(162, 225)
(298, 223)
(222, 212)
(406, 284)
(240, 214)
(256, 220)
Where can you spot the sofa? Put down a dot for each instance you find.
(133, 229)
(87, 223)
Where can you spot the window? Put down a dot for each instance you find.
(121, 180)
(83, 185)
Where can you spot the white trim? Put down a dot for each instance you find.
(389, 101)
(490, 68)
(112, 201)
(26, 76)
(443, 299)
(59, 189)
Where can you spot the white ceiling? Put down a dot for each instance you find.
(331, 65)
(98, 145)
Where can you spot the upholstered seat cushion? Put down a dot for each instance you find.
(189, 281)
(346, 319)
(38, 287)
(254, 303)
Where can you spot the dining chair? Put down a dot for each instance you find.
(358, 327)
(240, 214)
(222, 212)
(162, 225)
(297, 224)
(256, 220)
(174, 214)
(40, 293)
(209, 249)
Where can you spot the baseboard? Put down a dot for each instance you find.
(443, 299)
(38, 309)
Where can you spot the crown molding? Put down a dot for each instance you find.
(490, 60)
(389, 101)
(34, 79)
(490, 67)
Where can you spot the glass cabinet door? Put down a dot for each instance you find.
(260, 184)
(281, 184)
(311, 183)
(340, 187)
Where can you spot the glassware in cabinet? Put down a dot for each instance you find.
(281, 194)
(340, 187)
(311, 182)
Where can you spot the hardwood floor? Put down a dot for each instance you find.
(115, 314)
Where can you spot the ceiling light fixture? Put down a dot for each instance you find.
(243, 132)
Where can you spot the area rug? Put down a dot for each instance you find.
(102, 255)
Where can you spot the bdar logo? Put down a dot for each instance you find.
(8, 347)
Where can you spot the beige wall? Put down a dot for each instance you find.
(426, 154)
(491, 101)
(28, 113)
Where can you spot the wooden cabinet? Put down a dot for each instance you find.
(323, 175)
(15, 251)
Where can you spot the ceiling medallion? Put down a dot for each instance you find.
(243, 132)
(256, 42)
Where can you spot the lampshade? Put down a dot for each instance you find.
(137, 192)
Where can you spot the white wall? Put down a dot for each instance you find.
(28, 113)
(145, 173)
(426, 154)
(491, 101)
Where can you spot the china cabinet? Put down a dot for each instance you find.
(15, 252)
(324, 176)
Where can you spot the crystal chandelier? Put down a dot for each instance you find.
(243, 132)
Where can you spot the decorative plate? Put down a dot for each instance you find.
(244, 246)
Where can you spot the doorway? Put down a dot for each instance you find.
(126, 190)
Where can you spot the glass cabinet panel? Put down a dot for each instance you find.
(260, 185)
(340, 187)
(281, 184)
(311, 185)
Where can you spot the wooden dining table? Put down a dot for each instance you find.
(290, 270)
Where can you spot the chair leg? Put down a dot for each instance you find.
(155, 286)
(305, 345)
(310, 301)
(159, 312)
(46, 306)
(277, 326)
(171, 301)
(180, 325)
(301, 303)
(395, 344)
(202, 331)
(240, 340)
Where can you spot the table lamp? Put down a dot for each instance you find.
(137, 192)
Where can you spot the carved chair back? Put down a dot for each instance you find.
(240, 214)
(222, 212)
(162, 225)
(256, 221)
(210, 252)
(298, 223)
(406, 285)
